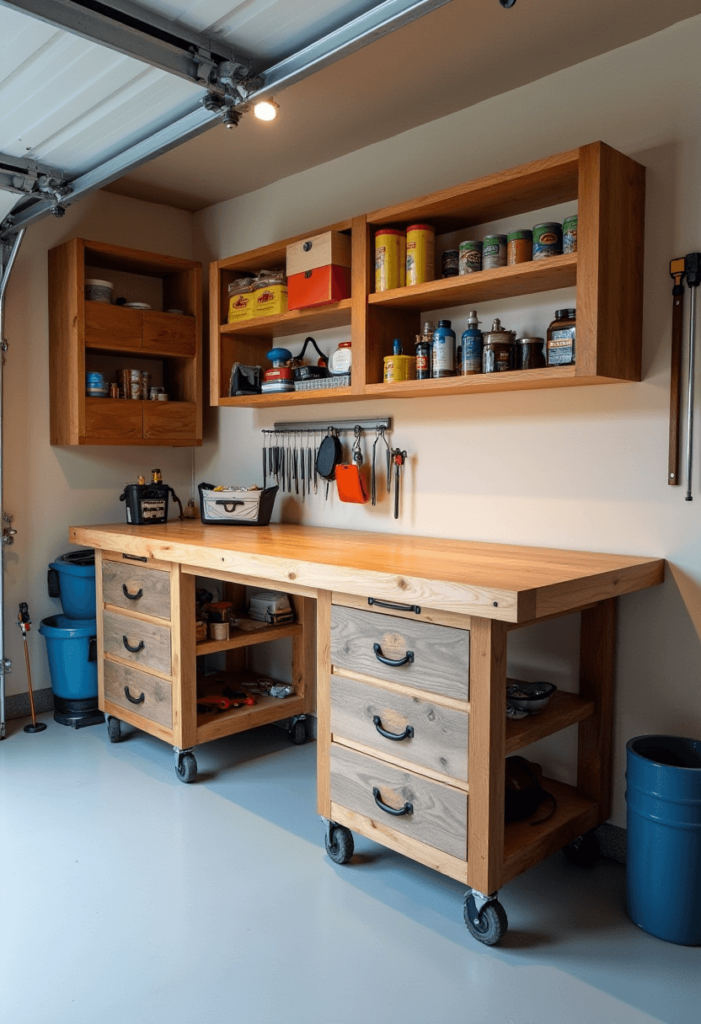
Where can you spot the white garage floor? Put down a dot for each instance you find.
(130, 897)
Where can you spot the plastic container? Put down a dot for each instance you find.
(72, 652)
(663, 873)
(72, 578)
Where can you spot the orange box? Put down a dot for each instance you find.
(319, 286)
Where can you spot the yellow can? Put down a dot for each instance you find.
(270, 300)
(388, 254)
(420, 253)
(399, 368)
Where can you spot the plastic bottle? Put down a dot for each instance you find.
(443, 364)
(471, 347)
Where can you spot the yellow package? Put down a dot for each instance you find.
(270, 300)
(240, 308)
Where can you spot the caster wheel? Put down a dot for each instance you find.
(298, 734)
(491, 923)
(583, 851)
(187, 769)
(114, 729)
(339, 844)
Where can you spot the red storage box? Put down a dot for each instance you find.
(318, 270)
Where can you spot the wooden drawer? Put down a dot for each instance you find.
(150, 643)
(136, 588)
(441, 654)
(170, 420)
(169, 334)
(140, 693)
(113, 327)
(439, 812)
(439, 739)
(113, 419)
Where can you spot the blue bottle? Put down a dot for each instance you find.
(471, 347)
(443, 363)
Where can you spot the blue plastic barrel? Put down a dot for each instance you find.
(74, 579)
(72, 657)
(663, 874)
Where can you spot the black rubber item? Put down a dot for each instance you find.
(132, 597)
(86, 556)
(92, 648)
(491, 924)
(339, 844)
(77, 713)
(408, 658)
(329, 455)
(114, 729)
(187, 769)
(54, 583)
(396, 812)
(298, 733)
(134, 700)
(39, 727)
(584, 851)
(406, 735)
(415, 608)
(134, 650)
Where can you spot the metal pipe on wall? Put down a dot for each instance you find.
(8, 254)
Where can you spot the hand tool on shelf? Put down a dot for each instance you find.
(24, 623)
(398, 458)
(692, 266)
(677, 271)
(380, 434)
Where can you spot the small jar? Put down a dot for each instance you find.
(498, 352)
(341, 360)
(494, 252)
(519, 247)
(470, 257)
(529, 353)
(98, 291)
(547, 240)
(450, 263)
(561, 338)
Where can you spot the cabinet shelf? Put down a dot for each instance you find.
(253, 633)
(296, 321)
(563, 709)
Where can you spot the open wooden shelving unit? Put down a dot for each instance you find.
(606, 270)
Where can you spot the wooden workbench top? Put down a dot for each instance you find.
(499, 581)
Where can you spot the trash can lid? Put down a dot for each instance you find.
(76, 563)
(60, 627)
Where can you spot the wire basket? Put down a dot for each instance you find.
(341, 380)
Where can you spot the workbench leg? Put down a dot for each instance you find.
(596, 681)
(304, 653)
(184, 670)
(486, 754)
(323, 704)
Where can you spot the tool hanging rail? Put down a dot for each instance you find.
(340, 426)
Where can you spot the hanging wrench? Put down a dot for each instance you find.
(399, 458)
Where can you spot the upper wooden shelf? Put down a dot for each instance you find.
(254, 633)
(562, 710)
(296, 321)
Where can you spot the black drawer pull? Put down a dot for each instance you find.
(132, 597)
(396, 811)
(134, 650)
(136, 558)
(408, 658)
(406, 735)
(134, 700)
(229, 506)
(396, 607)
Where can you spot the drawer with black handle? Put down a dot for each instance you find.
(136, 588)
(138, 692)
(144, 643)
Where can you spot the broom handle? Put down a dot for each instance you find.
(29, 680)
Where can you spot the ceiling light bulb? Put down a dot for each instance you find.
(266, 110)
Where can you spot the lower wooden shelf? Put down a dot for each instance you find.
(318, 395)
(268, 709)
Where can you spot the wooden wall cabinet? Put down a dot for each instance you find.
(87, 335)
(607, 271)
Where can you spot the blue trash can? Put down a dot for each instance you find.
(71, 646)
(663, 874)
(72, 578)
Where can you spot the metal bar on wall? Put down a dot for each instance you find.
(340, 425)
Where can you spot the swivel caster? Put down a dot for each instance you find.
(485, 917)
(339, 843)
(583, 851)
(185, 765)
(114, 730)
(298, 733)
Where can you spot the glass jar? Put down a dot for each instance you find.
(498, 352)
(529, 353)
(561, 338)
(341, 360)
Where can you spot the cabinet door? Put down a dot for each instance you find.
(170, 420)
(168, 334)
(113, 327)
(113, 419)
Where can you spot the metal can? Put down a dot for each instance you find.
(470, 257)
(399, 367)
(529, 353)
(471, 343)
(498, 353)
(450, 263)
(519, 247)
(547, 240)
(402, 259)
(387, 259)
(569, 234)
(114, 390)
(420, 254)
(494, 252)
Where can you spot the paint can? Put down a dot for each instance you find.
(420, 254)
(547, 240)
(494, 252)
(388, 247)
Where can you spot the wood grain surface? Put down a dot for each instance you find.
(439, 738)
(439, 816)
(154, 585)
(157, 704)
(441, 654)
(156, 651)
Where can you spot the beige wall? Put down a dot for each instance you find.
(48, 489)
(580, 468)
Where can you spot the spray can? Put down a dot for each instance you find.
(443, 350)
(471, 347)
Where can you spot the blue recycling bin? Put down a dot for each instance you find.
(72, 578)
(71, 647)
(663, 873)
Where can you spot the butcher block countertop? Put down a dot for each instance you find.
(496, 581)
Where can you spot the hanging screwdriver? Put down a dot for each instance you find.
(398, 458)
